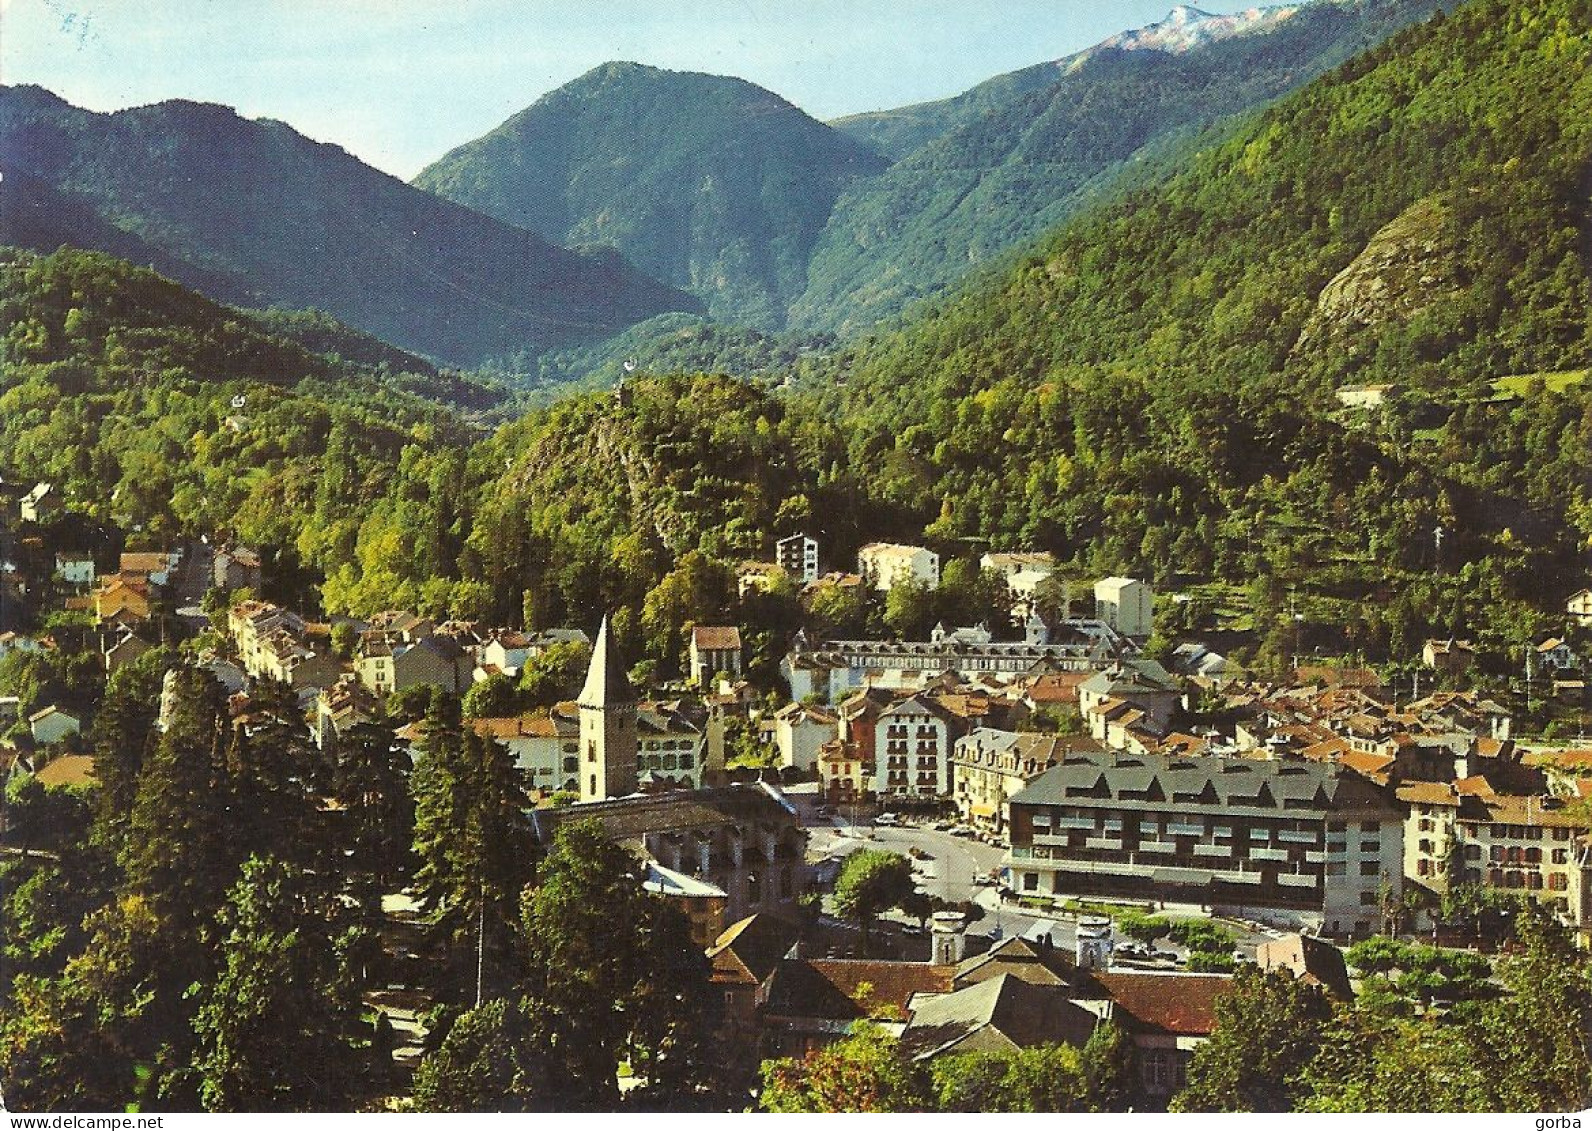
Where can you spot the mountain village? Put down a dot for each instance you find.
(1081, 786)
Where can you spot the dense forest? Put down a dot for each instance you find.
(1152, 389)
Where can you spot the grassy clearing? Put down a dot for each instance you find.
(1517, 385)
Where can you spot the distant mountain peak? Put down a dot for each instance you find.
(1186, 28)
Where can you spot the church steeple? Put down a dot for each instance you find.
(606, 682)
(608, 740)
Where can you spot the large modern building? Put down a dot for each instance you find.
(1295, 842)
(1126, 604)
(798, 556)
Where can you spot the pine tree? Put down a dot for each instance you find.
(371, 781)
(613, 973)
(472, 838)
(279, 1030)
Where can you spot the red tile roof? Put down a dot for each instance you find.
(829, 988)
(716, 639)
(1181, 1004)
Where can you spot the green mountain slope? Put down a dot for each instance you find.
(151, 406)
(712, 184)
(1144, 387)
(900, 131)
(254, 212)
(1024, 152)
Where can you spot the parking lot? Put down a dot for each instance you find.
(961, 869)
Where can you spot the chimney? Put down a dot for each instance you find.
(949, 938)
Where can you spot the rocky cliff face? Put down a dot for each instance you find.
(1407, 267)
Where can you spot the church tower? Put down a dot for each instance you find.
(607, 725)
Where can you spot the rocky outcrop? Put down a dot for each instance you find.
(1411, 264)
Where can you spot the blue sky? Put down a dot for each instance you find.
(399, 82)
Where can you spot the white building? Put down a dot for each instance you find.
(800, 731)
(545, 746)
(885, 564)
(1023, 572)
(912, 751)
(1364, 396)
(1126, 604)
(1302, 843)
(714, 649)
(1579, 606)
(798, 556)
(834, 668)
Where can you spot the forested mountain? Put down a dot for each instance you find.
(1017, 155)
(254, 213)
(1155, 382)
(710, 183)
(899, 131)
(155, 408)
(1151, 392)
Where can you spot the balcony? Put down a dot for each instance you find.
(1268, 854)
(1219, 851)
(1103, 844)
(1185, 830)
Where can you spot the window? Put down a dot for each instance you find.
(1369, 868)
(1533, 856)
(1473, 852)
(1423, 867)
(594, 784)
(1558, 882)
(1368, 899)
(1561, 856)
(1370, 827)
(1156, 1076)
(1030, 881)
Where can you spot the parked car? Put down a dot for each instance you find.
(887, 819)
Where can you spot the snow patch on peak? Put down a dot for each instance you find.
(1186, 28)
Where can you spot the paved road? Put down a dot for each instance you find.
(949, 870)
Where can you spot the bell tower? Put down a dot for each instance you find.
(608, 741)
